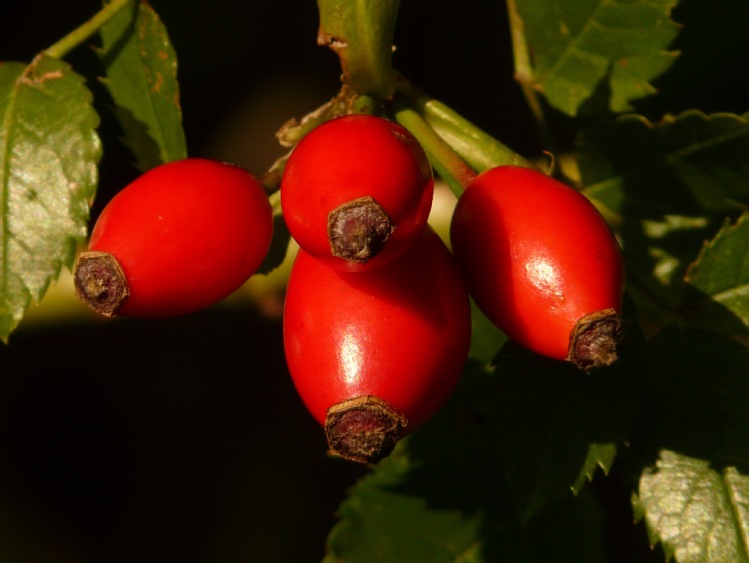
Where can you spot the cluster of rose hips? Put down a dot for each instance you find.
(377, 320)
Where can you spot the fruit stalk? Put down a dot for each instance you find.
(80, 34)
(479, 149)
(446, 162)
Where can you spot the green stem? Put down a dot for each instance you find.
(525, 75)
(361, 33)
(86, 30)
(479, 149)
(446, 162)
(365, 104)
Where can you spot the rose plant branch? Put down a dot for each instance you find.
(361, 34)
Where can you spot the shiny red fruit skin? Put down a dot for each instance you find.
(350, 157)
(536, 255)
(400, 332)
(187, 234)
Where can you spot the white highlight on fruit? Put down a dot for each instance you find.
(351, 357)
(544, 276)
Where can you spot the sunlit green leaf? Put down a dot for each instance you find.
(574, 46)
(49, 150)
(141, 76)
(699, 512)
(694, 493)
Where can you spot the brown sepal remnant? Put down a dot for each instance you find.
(595, 340)
(364, 429)
(359, 229)
(100, 282)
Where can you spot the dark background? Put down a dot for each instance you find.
(183, 440)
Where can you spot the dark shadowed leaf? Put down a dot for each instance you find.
(670, 185)
(141, 76)
(556, 426)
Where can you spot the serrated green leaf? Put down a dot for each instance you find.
(577, 45)
(380, 525)
(694, 494)
(721, 275)
(141, 76)
(49, 151)
(683, 165)
(417, 504)
(554, 425)
(600, 458)
(670, 183)
(698, 512)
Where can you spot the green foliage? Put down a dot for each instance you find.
(49, 152)
(698, 512)
(669, 185)
(141, 75)
(692, 492)
(575, 47)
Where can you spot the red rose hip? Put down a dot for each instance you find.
(356, 191)
(179, 238)
(541, 263)
(375, 354)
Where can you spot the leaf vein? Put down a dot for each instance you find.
(736, 520)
